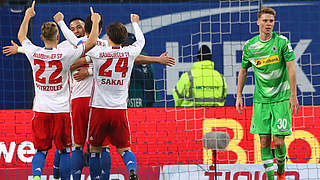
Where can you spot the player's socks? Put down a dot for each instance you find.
(56, 163)
(38, 163)
(94, 163)
(280, 158)
(267, 160)
(129, 160)
(77, 162)
(105, 161)
(65, 164)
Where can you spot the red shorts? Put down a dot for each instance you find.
(80, 119)
(109, 123)
(51, 126)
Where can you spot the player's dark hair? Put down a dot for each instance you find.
(76, 18)
(117, 32)
(49, 31)
(204, 53)
(266, 11)
(88, 24)
(131, 38)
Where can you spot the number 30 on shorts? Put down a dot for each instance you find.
(282, 123)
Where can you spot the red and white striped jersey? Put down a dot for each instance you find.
(112, 68)
(82, 88)
(50, 68)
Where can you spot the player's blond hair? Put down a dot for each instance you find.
(266, 11)
(49, 31)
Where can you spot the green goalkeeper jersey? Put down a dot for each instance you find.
(268, 60)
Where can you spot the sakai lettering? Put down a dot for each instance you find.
(111, 81)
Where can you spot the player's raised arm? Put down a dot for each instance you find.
(22, 34)
(93, 36)
(137, 31)
(68, 34)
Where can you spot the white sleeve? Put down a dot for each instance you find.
(28, 48)
(93, 53)
(68, 34)
(73, 52)
(140, 38)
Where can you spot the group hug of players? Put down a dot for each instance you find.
(73, 102)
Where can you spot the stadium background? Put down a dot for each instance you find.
(165, 135)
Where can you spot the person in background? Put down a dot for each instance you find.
(141, 90)
(202, 85)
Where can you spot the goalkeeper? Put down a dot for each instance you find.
(275, 95)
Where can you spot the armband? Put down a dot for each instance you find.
(88, 59)
(90, 71)
(20, 49)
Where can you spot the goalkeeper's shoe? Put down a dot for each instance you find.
(281, 176)
(36, 178)
(133, 175)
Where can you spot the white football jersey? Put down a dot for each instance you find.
(112, 68)
(50, 68)
(83, 88)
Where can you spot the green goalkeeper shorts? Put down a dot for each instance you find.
(271, 118)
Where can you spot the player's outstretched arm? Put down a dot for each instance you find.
(13, 49)
(162, 59)
(293, 101)
(241, 82)
(93, 36)
(22, 34)
(137, 32)
(68, 34)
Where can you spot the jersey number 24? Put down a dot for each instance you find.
(121, 66)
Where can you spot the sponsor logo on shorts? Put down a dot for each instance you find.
(282, 130)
